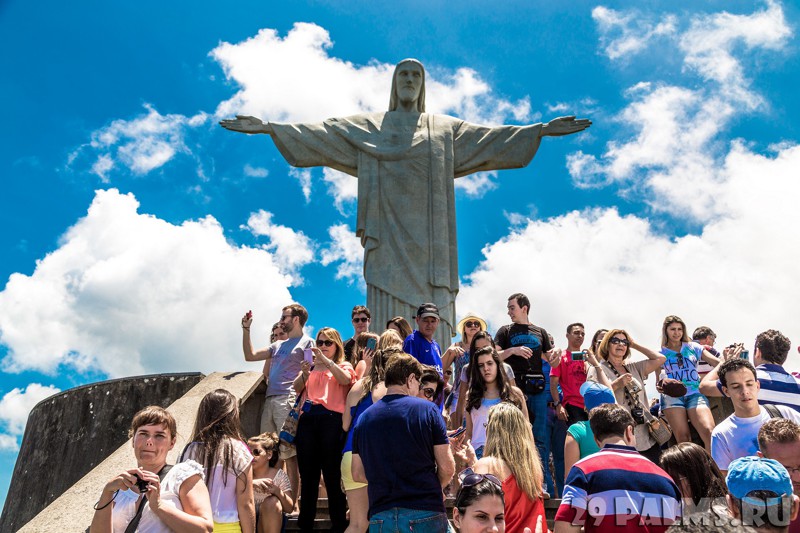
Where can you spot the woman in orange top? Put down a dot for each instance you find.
(510, 455)
(324, 385)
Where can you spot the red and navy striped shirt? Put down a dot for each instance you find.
(618, 489)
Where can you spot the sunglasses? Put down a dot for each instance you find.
(324, 342)
(428, 392)
(468, 479)
(472, 324)
(680, 359)
(360, 319)
(615, 340)
(258, 451)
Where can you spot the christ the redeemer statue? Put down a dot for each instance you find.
(405, 161)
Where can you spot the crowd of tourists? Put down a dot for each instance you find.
(391, 427)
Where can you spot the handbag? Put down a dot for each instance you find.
(658, 427)
(289, 429)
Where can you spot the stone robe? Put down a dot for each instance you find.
(405, 164)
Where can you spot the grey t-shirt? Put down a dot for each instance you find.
(286, 358)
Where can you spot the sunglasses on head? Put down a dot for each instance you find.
(428, 392)
(360, 319)
(468, 479)
(615, 340)
(325, 342)
(472, 324)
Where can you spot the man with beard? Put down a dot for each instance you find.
(281, 366)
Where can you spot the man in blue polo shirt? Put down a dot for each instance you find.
(420, 343)
(778, 386)
(400, 445)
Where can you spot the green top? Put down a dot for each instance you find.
(582, 433)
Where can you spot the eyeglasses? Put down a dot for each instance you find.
(428, 392)
(284, 317)
(468, 479)
(472, 324)
(360, 319)
(615, 340)
(324, 342)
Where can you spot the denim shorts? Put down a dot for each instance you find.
(690, 401)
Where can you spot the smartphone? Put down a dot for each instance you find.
(578, 356)
(457, 433)
(745, 354)
(308, 356)
(372, 343)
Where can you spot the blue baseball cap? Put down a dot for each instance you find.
(595, 394)
(747, 474)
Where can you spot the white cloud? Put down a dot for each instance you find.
(623, 34)
(303, 177)
(346, 250)
(478, 184)
(738, 275)
(121, 295)
(294, 79)
(342, 187)
(142, 144)
(669, 144)
(8, 443)
(291, 249)
(255, 172)
(17, 404)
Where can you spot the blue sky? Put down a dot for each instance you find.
(136, 231)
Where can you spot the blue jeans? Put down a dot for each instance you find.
(548, 432)
(400, 520)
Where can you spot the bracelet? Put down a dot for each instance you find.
(114, 497)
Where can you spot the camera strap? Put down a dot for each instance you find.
(632, 402)
(134, 523)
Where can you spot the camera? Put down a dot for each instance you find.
(638, 415)
(141, 484)
(634, 388)
(578, 356)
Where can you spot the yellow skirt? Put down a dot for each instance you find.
(228, 527)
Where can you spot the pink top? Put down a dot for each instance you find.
(571, 375)
(520, 510)
(322, 388)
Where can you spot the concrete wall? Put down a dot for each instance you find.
(72, 510)
(68, 434)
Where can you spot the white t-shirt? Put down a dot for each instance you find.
(126, 502)
(737, 437)
(222, 485)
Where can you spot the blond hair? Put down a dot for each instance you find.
(509, 437)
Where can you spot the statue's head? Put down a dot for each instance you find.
(408, 84)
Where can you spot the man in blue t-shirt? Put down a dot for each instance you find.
(400, 445)
(420, 343)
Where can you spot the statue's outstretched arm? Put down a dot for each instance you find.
(246, 124)
(564, 126)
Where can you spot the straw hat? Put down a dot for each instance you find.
(467, 318)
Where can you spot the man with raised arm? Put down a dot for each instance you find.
(281, 366)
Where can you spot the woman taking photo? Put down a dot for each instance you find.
(176, 497)
(488, 386)
(364, 393)
(218, 445)
(627, 381)
(683, 357)
(272, 490)
(319, 432)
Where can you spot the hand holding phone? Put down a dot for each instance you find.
(308, 356)
(372, 343)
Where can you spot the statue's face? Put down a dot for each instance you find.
(409, 82)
